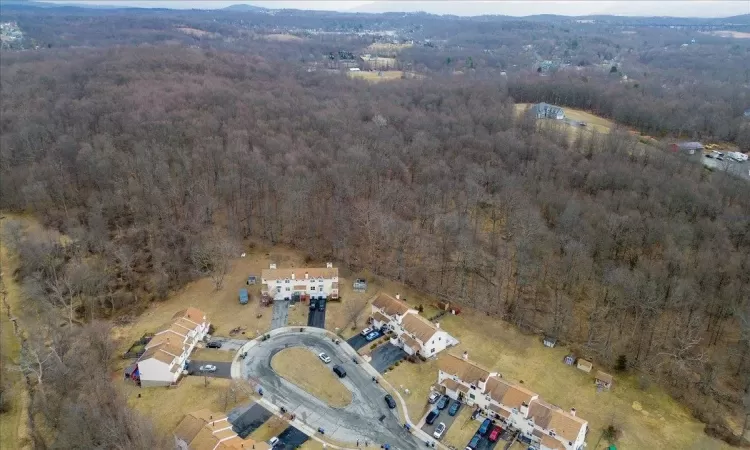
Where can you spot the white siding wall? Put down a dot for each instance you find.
(312, 287)
(155, 373)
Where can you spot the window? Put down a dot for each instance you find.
(320, 287)
(312, 288)
(432, 350)
(287, 289)
(440, 339)
(286, 281)
(471, 396)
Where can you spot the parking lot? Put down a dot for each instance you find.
(316, 317)
(280, 314)
(223, 369)
(444, 417)
(248, 418)
(486, 444)
(385, 356)
(290, 439)
(358, 340)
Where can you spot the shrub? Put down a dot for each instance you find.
(420, 308)
(211, 329)
(397, 363)
(390, 368)
(622, 363)
(373, 346)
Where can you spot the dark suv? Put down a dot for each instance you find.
(338, 370)
(214, 344)
(432, 416)
(390, 401)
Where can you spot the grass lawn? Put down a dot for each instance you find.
(303, 368)
(211, 354)
(417, 378)
(386, 49)
(272, 427)
(462, 430)
(167, 406)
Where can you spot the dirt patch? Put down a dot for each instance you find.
(197, 33)
(283, 38)
(730, 34)
(303, 368)
(377, 76)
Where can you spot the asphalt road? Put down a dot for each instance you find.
(358, 420)
(385, 356)
(223, 369)
(317, 318)
(248, 418)
(444, 417)
(280, 313)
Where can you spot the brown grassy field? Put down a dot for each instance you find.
(167, 406)
(211, 354)
(196, 32)
(375, 76)
(462, 430)
(386, 49)
(281, 37)
(729, 34)
(303, 368)
(593, 122)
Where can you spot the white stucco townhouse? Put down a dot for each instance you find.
(166, 353)
(300, 283)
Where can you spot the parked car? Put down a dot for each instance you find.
(214, 344)
(338, 370)
(273, 441)
(321, 305)
(434, 396)
(207, 368)
(439, 430)
(495, 433)
(443, 402)
(474, 442)
(485, 426)
(325, 358)
(390, 401)
(432, 416)
(313, 304)
(366, 331)
(454, 408)
(244, 298)
(372, 336)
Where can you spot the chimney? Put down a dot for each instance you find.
(329, 265)
(572, 411)
(292, 275)
(466, 356)
(398, 296)
(307, 275)
(273, 266)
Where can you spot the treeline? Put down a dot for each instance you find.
(633, 256)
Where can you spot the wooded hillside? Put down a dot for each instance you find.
(138, 154)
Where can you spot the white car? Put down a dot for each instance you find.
(434, 396)
(207, 368)
(325, 358)
(439, 430)
(366, 331)
(273, 441)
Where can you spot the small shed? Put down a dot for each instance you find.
(603, 380)
(570, 359)
(688, 147)
(584, 365)
(359, 285)
(550, 342)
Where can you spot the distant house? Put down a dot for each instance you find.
(547, 111)
(688, 147)
(603, 380)
(359, 285)
(166, 353)
(584, 365)
(549, 341)
(206, 430)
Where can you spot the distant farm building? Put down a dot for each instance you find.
(747, 113)
(547, 111)
(688, 147)
(603, 380)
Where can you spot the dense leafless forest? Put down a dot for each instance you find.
(145, 155)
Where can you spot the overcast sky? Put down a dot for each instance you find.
(676, 8)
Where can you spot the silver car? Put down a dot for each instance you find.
(207, 368)
(325, 358)
(439, 430)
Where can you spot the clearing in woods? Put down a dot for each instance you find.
(386, 49)
(283, 37)
(593, 122)
(376, 76)
(303, 368)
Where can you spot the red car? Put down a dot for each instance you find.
(495, 434)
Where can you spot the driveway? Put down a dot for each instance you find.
(223, 369)
(358, 341)
(444, 417)
(385, 356)
(290, 439)
(358, 420)
(280, 313)
(484, 443)
(317, 318)
(248, 418)
(229, 344)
